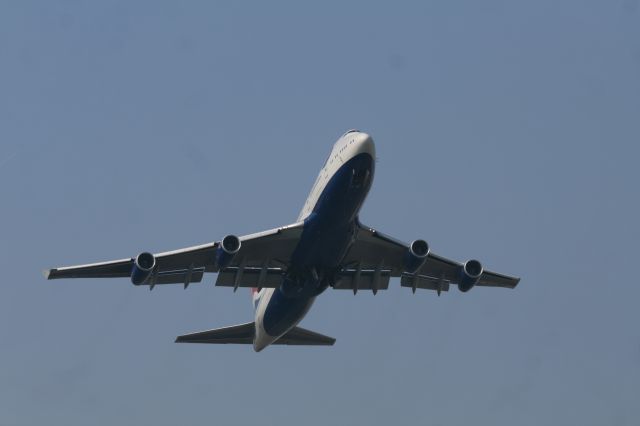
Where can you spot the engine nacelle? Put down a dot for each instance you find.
(469, 275)
(416, 256)
(142, 267)
(227, 250)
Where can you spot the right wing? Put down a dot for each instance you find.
(375, 257)
(188, 265)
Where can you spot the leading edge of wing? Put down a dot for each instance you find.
(274, 231)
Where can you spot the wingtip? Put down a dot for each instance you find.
(46, 273)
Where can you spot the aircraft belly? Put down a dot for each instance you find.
(282, 313)
(326, 237)
(330, 228)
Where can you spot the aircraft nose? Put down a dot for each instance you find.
(366, 145)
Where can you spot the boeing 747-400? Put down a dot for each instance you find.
(288, 267)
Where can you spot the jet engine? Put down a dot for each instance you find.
(416, 256)
(469, 275)
(142, 267)
(227, 250)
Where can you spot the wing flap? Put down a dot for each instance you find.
(365, 279)
(177, 277)
(372, 249)
(250, 277)
(415, 281)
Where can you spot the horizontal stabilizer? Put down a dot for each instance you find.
(241, 334)
(244, 333)
(301, 336)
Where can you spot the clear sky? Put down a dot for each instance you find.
(506, 131)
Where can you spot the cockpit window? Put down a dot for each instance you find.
(359, 177)
(351, 131)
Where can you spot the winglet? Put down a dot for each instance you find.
(46, 273)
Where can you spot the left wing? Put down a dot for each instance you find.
(373, 252)
(188, 265)
(171, 267)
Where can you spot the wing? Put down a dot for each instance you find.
(180, 266)
(373, 252)
(188, 265)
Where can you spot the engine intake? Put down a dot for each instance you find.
(416, 256)
(142, 268)
(470, 275)
(227, 250)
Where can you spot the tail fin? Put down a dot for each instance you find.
(255, 297)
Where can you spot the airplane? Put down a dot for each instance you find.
(288, 267)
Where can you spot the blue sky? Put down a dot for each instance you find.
(506, 131)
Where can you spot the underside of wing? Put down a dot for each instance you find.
(375, 257)
(493, 279)
(242, 266)
(264, 277)
(438, 272)
(363, 279)
(273, 246)
(373, 250)
(113, 269)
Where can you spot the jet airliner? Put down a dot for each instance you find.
(288, 267)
